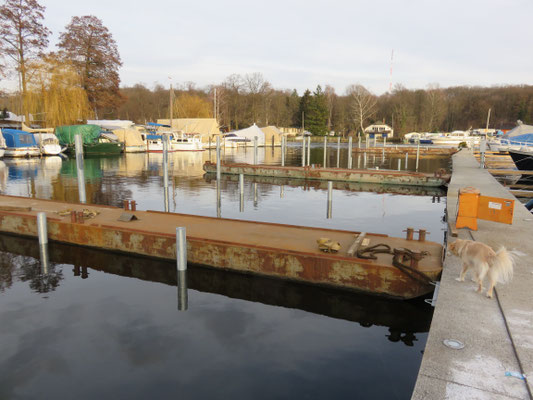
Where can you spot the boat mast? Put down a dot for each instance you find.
(488, 119)
(171, 105)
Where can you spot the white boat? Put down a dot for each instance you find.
(48, 144)
(45, 139)
(154, 144)
(20, 144)
(516, 139)
(455, 138)
(231, 140)
(186, 142)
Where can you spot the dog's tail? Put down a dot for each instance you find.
(502, 265)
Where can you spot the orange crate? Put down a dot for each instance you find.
(496, 209)
(467, 211)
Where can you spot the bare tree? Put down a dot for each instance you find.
(22, 37)
(435, 107)
(362, 104)
(92, 49)
(257, 87)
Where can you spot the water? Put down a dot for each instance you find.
(100, 325)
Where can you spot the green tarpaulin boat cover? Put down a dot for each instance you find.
(66, 134)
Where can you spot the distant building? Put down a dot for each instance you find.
(379, 131)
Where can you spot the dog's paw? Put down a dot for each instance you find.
(459, 279)
(489, 295)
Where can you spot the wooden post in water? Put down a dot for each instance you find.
(399, 164)
(406, 160)
(350, 152)
(79, 168)
(338, 152)
(364, 160)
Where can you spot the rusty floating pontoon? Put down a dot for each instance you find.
(401, 268)
(424, 151)
(337, 185)
(386, 177)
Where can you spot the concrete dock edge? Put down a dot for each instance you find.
(497, 333)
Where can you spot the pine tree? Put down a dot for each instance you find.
(303, 110)
(317, 114)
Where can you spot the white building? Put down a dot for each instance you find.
(379, 131)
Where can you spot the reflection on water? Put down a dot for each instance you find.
(98, 325)
(110, 180)
(113, 318)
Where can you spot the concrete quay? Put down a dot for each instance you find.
(497, 333)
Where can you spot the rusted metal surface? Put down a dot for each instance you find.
(338, 185)
(401, 317)
(425, 151)
(275, 250)
(387, 177)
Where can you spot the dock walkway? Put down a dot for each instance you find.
(497, 333)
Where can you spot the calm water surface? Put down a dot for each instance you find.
(99, 325)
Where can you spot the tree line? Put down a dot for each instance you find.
(244, 100)
(81, 81)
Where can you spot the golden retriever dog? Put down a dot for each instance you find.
(483, 261)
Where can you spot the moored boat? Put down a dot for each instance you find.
(186, 142)
(523, 159)
(20, 144)
(48, 144)
(46, 140)
(95, 142)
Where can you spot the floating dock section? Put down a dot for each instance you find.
(399, 268)
(337, 185)
(424, 151)
(384, 177)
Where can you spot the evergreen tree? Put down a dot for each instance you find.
(317, 114)
(303, 110)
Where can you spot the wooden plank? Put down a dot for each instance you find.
(509, 172)
(356, 244)
(14, 208)
(522, 193)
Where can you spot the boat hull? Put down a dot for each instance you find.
(22, 152)
(522, 159)
(99, 148)
(135, 149)
(51, 149)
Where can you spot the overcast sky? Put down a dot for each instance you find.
(299, 44)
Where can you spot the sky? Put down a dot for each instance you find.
(300, 44)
